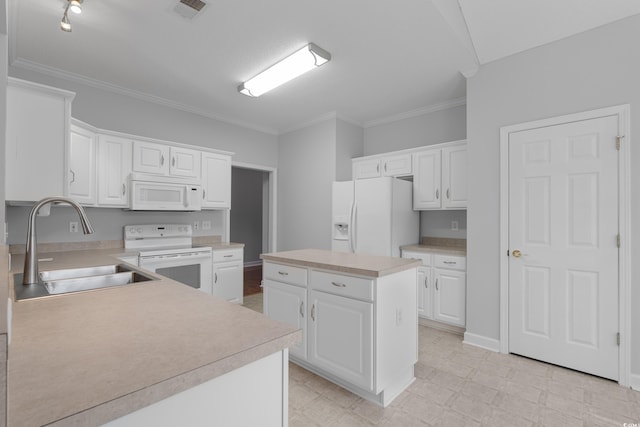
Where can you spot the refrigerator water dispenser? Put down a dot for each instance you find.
(340, 228)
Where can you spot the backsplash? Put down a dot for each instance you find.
(437, 223)
(108, 223)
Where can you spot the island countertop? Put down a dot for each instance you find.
(343, 262)
(90, 357)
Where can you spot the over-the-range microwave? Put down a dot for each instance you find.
(160, 193)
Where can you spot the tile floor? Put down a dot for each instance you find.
(462, 385)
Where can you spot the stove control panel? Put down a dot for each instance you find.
(157, 230)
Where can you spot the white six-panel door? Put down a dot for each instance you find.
(563, 227)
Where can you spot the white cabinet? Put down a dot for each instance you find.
(441, 287)
(454, 176)
(38, 121)
(114, 167)
(341, 337)
(440, 178)
(288, 304)
(81, 170)
(356, 330)
(168, 160)
(228, 271)
(394, 165)
(149, 157)
(216, 181)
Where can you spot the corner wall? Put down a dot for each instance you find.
(595, 69)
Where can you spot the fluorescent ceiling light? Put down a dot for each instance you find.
(298, 63)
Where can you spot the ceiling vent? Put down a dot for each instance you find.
(189, 8)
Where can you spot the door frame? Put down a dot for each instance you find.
(624, 220)
(272, 190)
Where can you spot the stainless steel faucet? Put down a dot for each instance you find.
(30, 257)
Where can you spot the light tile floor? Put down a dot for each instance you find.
(461, 385)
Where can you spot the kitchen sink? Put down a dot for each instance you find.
(55, 282)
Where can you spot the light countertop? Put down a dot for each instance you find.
(90, 357)
(343, 262)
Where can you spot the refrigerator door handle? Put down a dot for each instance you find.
(354, 223)
(351, 227)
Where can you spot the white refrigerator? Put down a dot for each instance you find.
(374, 216)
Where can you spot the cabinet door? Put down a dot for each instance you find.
(37, 131)
(449, 296)
(227, 280)
(341, 337)
(114, 167)
(216, 181)
(184, 162)
(149, 157)
(363, 169)
(426, 180)
(454, 177)
(287, 304)
(425, 292)
(81, 171)
(397, 165)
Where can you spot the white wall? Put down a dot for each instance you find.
(595, 69)
(438, 224)
(246, 211)
(307, 168)
(427, 129)
(349, 144)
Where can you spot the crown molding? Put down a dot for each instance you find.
(99, 84)
(417, 112)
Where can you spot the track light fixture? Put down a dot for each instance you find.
(74, 6)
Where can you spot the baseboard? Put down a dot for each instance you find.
(253, 264)
(487, 343)
(440, 326)
(634, 381)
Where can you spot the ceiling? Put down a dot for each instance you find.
(388, 58)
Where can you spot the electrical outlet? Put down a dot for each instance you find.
(206, 225)
(73, 227)
(454, 226)
(196, 225)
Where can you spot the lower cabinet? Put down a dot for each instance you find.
(341, 337)
(359, 332)
(228, 274)
(287, 304)
(442, 285)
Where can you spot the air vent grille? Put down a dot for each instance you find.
(194, 4)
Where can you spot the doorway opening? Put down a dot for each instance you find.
(253, 218)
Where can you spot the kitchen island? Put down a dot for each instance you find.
(156, 351)
(357, 313)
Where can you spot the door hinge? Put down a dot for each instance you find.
(618, 338)
(619, 141)
(618, 240)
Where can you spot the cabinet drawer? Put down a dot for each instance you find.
(285, 273)
(227, 255)
(422, 256)
(354, 287)
(450, 261)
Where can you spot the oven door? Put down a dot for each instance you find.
(194, 269)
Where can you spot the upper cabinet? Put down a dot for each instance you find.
(216, 181)
(440, 177)
(81, 165)
(161, 159)
(114, 167)
(38, 122)
(373, 167)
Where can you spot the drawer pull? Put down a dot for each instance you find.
(450, 262)
(339, 285)
(283, 273)
(228, 256)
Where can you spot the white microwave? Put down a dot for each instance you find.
(159, 193)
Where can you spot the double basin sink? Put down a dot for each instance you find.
(55, 282)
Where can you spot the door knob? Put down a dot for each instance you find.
(516, 253)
